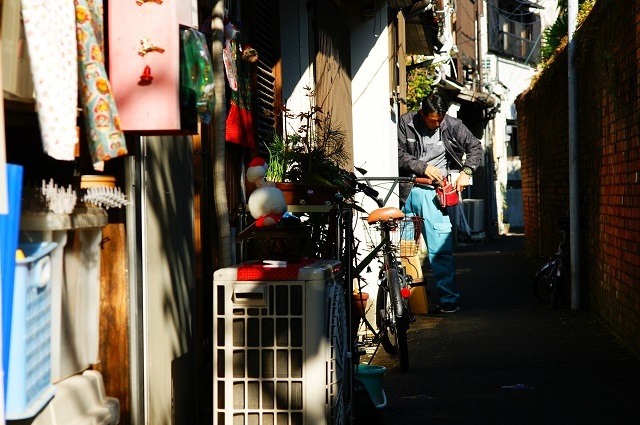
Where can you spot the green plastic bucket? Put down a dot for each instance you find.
(371, 376)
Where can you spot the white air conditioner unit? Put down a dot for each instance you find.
(279, 344)
(474, 212)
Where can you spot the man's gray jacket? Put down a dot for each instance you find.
(457, 139)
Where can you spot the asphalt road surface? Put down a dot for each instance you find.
(506, 359)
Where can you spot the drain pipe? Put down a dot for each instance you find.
(574, 174)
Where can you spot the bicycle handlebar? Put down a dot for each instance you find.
(411, 179)
(372, 193)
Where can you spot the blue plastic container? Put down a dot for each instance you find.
(371, 376)
(29, 386)
(9, 230)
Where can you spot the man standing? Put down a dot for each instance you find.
(435, 145)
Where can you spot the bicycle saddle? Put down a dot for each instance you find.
(385, 214)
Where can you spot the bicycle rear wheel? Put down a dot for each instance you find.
(402, 325)
(383, 322)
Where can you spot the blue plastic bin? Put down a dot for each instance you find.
(371, 376)
(29, 386)
(9, 230)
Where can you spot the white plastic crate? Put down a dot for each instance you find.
(29, 386)
(280, 348)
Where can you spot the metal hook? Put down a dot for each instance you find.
(147, 46)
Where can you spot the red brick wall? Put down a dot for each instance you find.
(608, 77)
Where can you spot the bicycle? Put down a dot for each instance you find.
(343, 245)
(550, 285)
(389, 232)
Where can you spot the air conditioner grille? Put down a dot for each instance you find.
(280, 352)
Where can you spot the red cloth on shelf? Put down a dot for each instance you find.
(262, 271)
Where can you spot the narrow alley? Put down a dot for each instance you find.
(506, 359)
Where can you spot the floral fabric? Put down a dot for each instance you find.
(50, 32)
(105, 137)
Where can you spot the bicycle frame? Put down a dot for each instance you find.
(390, 270)
(393, 314)
(549, 282)
(368, 189)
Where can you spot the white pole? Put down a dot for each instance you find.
(574, 174)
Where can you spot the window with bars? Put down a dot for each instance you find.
(514, 29)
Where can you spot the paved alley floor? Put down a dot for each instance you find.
(506, 359)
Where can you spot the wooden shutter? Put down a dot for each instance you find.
(268, 85)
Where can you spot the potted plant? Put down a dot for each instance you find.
(307, 162)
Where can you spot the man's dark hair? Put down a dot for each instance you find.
(435, 103)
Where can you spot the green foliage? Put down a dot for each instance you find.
(315, 153)
(552, 36)
(419, 86)
(278, 158)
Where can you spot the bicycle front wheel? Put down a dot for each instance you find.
(545, 284)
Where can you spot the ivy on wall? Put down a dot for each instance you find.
(555, 36)
(419, 85)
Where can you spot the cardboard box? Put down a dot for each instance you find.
(418, 301)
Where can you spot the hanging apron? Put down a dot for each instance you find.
(51, 40)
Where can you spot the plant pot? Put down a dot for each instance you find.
(307, 194)
(359, 304)
(282, 243)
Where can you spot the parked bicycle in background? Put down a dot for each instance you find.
(551, 283)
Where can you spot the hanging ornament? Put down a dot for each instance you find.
(146, 76)
(147, 46)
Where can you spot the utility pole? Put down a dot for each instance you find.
(479, 45)
(574, 172)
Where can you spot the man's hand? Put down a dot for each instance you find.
(462, 182)
(433, 173)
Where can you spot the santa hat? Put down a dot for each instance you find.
(257, 169)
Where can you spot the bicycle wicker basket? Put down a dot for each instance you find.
(405, 237)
